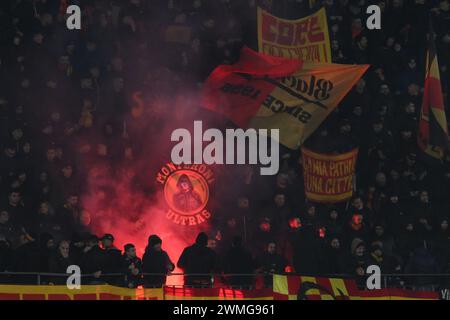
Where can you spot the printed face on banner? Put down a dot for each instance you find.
(186, 192)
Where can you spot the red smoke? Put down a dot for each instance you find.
(123, 198)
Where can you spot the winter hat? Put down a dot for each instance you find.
(376, 246)
(154, 240)
(108, 236)
(202, 239)
(356, 243)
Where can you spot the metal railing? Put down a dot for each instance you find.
(415, 282)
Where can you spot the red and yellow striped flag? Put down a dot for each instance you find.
(433, 131)
(287, 287)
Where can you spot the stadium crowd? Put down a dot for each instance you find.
(60, 87)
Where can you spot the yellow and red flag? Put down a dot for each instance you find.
(328, 178)
(267, 92)
(433, 131)
(86, 292)
(289, 287)
(306, 38)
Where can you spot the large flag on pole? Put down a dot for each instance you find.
(266, 92)
(433, 131)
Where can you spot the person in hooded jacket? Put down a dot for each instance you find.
(198, 259)
(239, 260)
(92, 261)
(112, 260)
(335, 257)
(358, 262)
(155, 260)
(271, 262)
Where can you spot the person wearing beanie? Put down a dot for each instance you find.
(153, 240)
(356, 244)
(198, 259)
(92, 261)
(155, 261)
(358, 262)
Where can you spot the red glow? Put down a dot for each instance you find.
(132, 216)
(121, 195)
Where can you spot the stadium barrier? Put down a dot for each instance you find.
(285, 287)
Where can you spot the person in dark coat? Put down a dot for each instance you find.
(155, 260)
(271, 262)
(407, 241)
(441, 242)
(358, 262)
(112, 260)
(58, 263)
(424, 215)
(335, 257)
(77, 244)
(278, 211)
(262, 235)
(227, 231)
(198, 259)
(333, 224)
(239, 260)
(6, 254)
(388, 264)
(92, 261)
(306, 251)
(26, 258)
(355, 228)
(423, 262)
(287, 238)
(132, 267)
(8, 230)
(46, 249)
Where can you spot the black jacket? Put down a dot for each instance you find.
(58, 264)
(131, 280)
(112, 264)
(156, 262)
(197, 259)
(306, 252)
(239, 261)
(91, 262)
